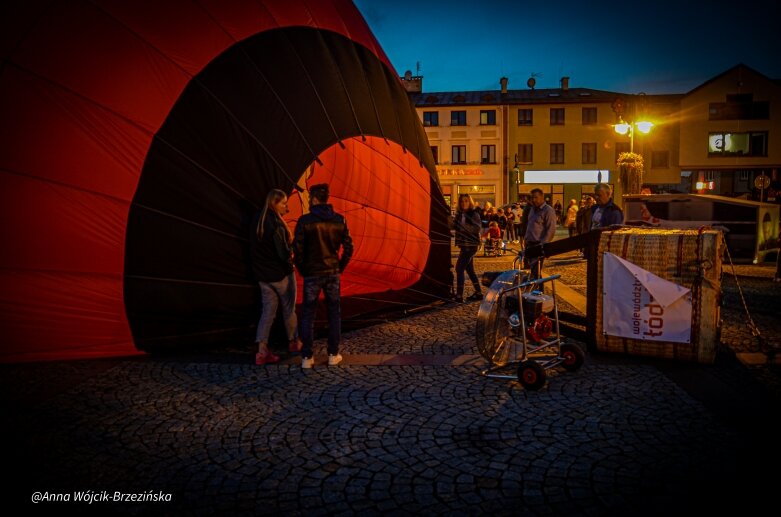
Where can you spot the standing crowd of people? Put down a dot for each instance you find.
(320, 250)
(529, 222)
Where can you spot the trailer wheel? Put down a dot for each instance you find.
(531, 375)
(572, 357)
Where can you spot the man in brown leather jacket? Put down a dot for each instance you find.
(318, 237)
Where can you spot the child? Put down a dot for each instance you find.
(493, 232)
(493, 239)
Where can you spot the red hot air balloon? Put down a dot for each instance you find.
(138, 139)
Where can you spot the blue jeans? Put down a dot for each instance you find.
(272, 294)
(312, 287)
(465, 263)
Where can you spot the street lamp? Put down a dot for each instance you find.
(623, 128)
(630, 164)
(517, 171)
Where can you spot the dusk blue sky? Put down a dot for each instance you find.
(654, 47)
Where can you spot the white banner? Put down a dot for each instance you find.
(638, 304)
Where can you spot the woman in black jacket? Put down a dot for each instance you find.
(272, 266)
(468, 226)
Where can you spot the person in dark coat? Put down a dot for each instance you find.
(320, 235)
(468, 227)
(605, 213)
(777, 276)
(583, 219)
(272, 267)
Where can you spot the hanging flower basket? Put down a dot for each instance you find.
(631, 167)
(631, 161)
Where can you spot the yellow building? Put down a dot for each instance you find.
(465, 131)
(727, 130)
(499, 144)
(563, 140)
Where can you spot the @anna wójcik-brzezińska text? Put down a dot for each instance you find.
(102, 496)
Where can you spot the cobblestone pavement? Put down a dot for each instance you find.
(219, 434)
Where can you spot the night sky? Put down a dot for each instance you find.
(655, 46)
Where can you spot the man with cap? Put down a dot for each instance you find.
(319, 236)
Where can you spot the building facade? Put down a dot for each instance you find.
(497, 145)
(729, 136)
(719, 138)
(465, 131)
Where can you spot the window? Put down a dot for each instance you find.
(589, 116)
(430, 118)
(557, 116)
(525, 153)
(488, 118)
(589, 153)
(458, 118)
(660, 159)
(744, 175)
(707, 176)
(525, 117)
(737, 144)
(487, 154)
(739, 106)
(557, 153)
(458, 154)
(621, 147)
(435, 152)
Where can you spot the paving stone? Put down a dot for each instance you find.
(374, 439)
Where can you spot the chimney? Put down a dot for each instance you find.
(503, 82)
(412, 83)
(565, 83)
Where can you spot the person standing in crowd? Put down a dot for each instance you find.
(319, 236)
(527, 207)
(540, 228)
(468, 230)
(557, 210)
(605, 213)
(583, 219)
(517, 212)
(570, 218)
(501, 220)
(488, 212)
(510, 226)
(272, 266)
(777, 277)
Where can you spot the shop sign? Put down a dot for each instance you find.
(459, 171)
(476, 189)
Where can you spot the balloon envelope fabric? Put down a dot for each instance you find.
(139, 138)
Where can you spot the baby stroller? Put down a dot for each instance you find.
(493, 247)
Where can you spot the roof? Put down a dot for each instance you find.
(728, 71)
(492, 97)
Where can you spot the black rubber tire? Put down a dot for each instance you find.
(573, 357)
(531, 375)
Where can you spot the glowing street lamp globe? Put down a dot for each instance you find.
(622, 128)
(644, 127)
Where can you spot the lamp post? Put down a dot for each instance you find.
(517, 171)
(630, 161)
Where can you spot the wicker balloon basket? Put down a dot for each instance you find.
(691, 258)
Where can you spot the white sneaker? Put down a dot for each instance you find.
(333, 360)
(307, 362)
